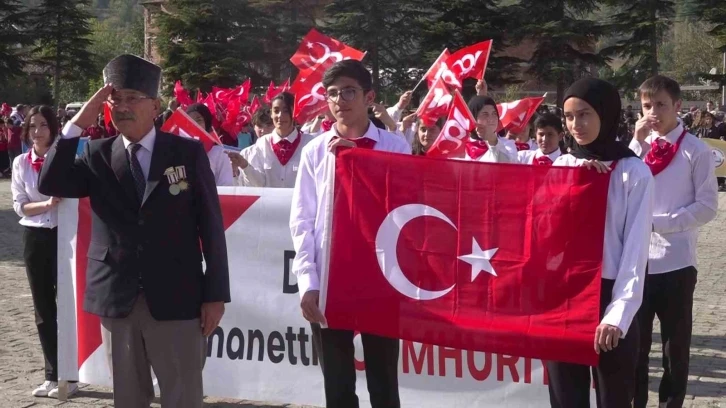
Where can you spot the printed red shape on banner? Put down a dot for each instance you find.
(451, 141)
(180, 124)
(447, 252)
(320, 51)
(514, 116)
(471, 61)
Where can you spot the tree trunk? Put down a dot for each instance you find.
(57, 70)
(654, 42)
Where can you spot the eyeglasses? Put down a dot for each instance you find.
(130, 100)
(347, 94)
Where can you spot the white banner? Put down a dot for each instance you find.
(262, 350)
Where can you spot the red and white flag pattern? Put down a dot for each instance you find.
(471, 61)
(436, 103)
(451, 141)
(310, 99)
(514, 116)
(180, 124)
(318, 50)
(273, 91)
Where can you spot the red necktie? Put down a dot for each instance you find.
(476, 148)
(522, 146)
(543, 161)
(37, 163)
(661, 153)
(284, 149)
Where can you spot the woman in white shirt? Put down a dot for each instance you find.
(274, 158)
(484, 145)
(218, 160)
(40, 238)
(592, 112)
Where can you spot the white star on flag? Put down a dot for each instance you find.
(479, 260)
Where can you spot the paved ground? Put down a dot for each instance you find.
(21, 358)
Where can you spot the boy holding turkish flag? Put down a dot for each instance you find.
(686, 198)
(348, 89)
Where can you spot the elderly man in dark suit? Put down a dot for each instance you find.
(154, 200)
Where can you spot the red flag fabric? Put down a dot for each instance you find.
(211, 104)
(502, 271)
(515, 115)
(310, 98)
(255, 105)
(221, 95)
(180, 124)
(436, 102)
(181, 95)
(273, 91)
(471, 61)
(451, 141)
(441, 70)
(108, 121)
(6, 110)
(200, 96)
(242, 92)
(318, 50)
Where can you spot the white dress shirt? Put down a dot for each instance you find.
(628, 221)
(24, 186)
(221, 166)
(311, 199)
(529, 156)
(265, 169)
(686, 197)
(143, 155)
(505, 151)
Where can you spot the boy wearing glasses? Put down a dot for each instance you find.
(349, 92)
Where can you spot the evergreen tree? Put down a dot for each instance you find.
(565, 40)
(12, 21)
(60, 29)
(712, 12)
(641, 26)
(206, 43)
(459, 23)
(390, 31)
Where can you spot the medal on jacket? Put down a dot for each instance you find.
(176, 176)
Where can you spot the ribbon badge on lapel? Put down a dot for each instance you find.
(177, 177)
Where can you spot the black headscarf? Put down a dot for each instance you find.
(605, 100)
(204, 111)
(476, 104)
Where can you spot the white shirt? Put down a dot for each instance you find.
(529, 156)
(686, 197)
(265, 170)
(24, 186)
(221, 166)
(628, 221)
(504, 152)
(143, 155)
(311, 199)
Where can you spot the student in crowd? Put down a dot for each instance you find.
(592, 112)
(523, 138)
(685, 199)
(274, 158)
(549, 134)
(262, 123)
(97, 131)
(484, 144)
(218, 159)
(426, 135)
(349, 92)
(709, 129)
(15, 143)
(39, 217)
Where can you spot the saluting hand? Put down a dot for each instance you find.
(88, 115)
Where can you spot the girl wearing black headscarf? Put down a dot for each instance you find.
(592, 112)
(218, 160)
(484, 145)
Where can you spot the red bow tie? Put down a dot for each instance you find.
(543, 161)
(37, 163)
(476, 149)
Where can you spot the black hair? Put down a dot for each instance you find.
(262, 117)
(548, 119)
(287, 98)
(349, 69)
(658, 83)
(204, 111)
(49, 117)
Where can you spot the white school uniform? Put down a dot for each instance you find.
(221, 166)
(265, 169)
(529, 156)
(504, 152)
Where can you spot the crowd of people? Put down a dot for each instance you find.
(145, 277)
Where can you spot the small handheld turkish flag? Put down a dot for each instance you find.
(436, 102)
(318, 50)
(440, 70)
(451, 141)
(470, 62)
(514, 116)
(309, 93)
(447, 252)
(182, 95)
(180, 124)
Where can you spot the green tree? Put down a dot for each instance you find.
(565, 40)
(207, 43)
(60, 28)
(459, 23)
(13, 18)
(640, 27)
(390, 31)
(712, 13)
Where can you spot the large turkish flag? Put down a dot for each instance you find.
(477, 256)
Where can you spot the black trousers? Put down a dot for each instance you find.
(670, 297)
(336, 352)
(40, 255)
(614, 376)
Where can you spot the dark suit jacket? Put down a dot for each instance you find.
(156, 241)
